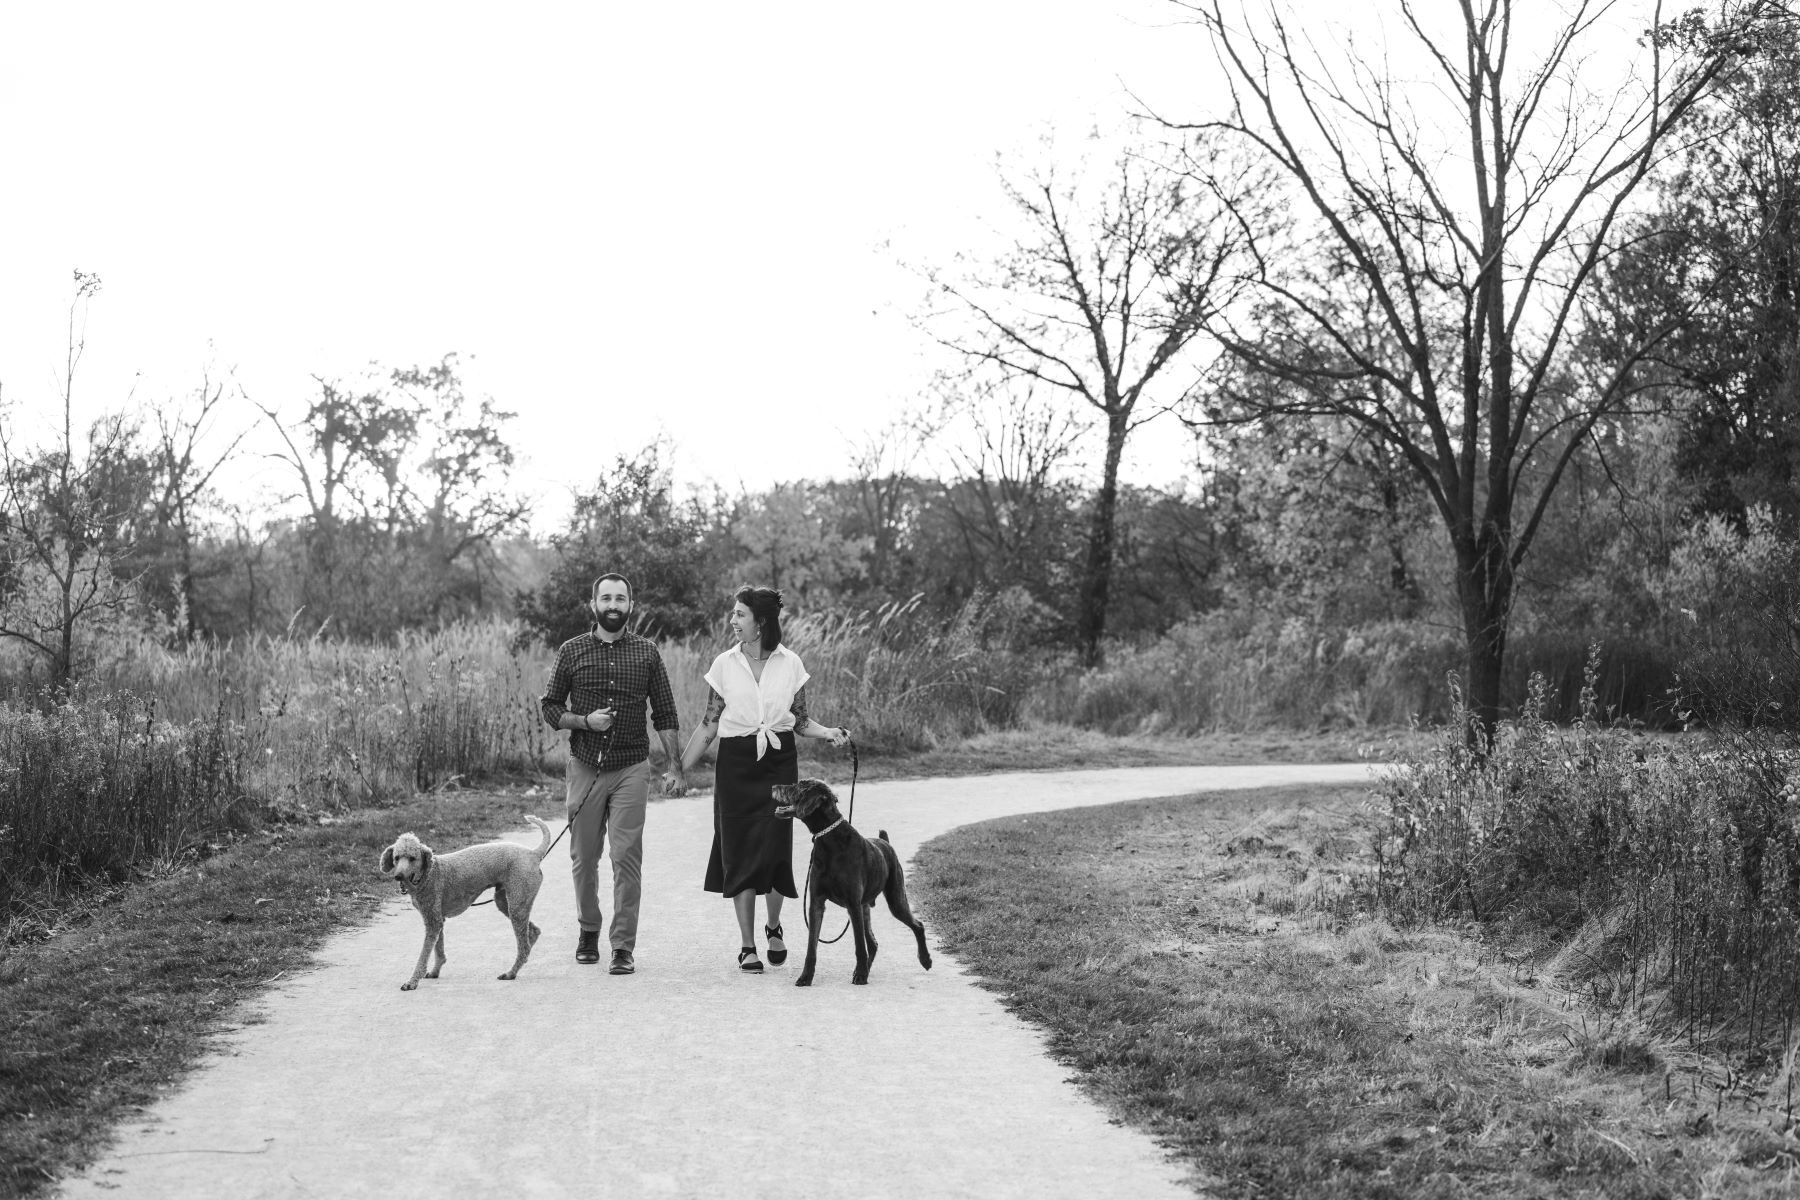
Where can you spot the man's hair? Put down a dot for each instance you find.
(630, 593)
(765, 608)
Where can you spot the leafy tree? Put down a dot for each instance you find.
(885, 499)
(1720, 252)
(405, 484)
(1170, 560)
(1323, 520)
(631, 523)
(789, 538)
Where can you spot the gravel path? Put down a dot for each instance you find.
(686, 1079)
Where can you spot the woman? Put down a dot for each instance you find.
(758, 704)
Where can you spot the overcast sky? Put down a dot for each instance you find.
(678, 219)
(665, 220)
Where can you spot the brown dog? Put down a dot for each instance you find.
(849, 870)
(444, 885)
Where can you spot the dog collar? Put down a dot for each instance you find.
(828, 829)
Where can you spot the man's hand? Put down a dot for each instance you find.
(600, 720)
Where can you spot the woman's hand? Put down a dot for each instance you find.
(840, 737)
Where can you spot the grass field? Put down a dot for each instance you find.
(1198, 961)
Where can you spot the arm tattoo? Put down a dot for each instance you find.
(798, 708)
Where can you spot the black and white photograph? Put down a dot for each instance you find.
(1252, 545)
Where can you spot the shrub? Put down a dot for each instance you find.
(1648, 871)
(96, 784)
(1222, 673)
(904, 680)
(153, 760)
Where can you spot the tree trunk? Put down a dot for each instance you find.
(1091, 625)
(1484, 588)
(62, 665)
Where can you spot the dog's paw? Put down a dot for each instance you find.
(507, 975)
(925, 961)
(803, 981)
(859, 978)
(409, 985)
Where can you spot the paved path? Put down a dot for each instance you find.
(687, 1079)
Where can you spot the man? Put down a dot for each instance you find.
(598, 689)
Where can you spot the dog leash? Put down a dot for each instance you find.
(570, 824)
(805, 905)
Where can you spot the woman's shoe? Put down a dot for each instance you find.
(777, 954)
(754, 965)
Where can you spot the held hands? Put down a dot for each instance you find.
(674, 782)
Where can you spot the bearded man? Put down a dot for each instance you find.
(598, 690)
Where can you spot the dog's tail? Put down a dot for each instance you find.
(543, 846)
(882, 834)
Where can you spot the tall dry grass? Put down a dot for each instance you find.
(159, 753)
(172, 743)
(338, 723)
(98, 783)
(899, 678)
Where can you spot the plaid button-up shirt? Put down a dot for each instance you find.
(592, 673)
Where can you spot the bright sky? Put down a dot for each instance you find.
(662, 220)
(679, 219)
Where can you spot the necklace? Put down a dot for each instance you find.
(754, 657)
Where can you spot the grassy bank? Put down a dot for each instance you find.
(1202, 965)
(119, 1001)
(1662, 875)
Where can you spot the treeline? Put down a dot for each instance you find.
(1616, 463)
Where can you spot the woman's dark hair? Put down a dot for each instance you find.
(765, 609)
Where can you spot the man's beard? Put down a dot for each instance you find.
(611, 620)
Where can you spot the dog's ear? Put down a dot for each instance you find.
(425, 857)
(817, 795)
(387, 861)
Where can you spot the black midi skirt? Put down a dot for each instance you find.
(751, 847)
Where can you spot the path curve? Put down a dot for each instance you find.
(687, 1079)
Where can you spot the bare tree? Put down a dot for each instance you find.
(1006, 504)
(886, 491)
(58, 570)
(1456, 224)
(1104, 292)
(187, 472)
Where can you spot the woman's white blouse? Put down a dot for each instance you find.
(763, 708)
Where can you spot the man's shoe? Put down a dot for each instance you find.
(622, 963)
(587, 950)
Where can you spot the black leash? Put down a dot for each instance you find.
(805, 906)
(570, 824)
